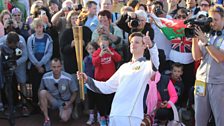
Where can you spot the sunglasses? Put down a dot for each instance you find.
(205, 5)
(181, 16)
(16, 15)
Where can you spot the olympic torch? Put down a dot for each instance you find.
(78, 41)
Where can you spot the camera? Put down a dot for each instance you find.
(158, 11)
(42, 12)
(203, 22)
(79, 7)
(9, 57)
(104, 47)
(67, 8)
(10, 21)
(100, 27)
(70, 8)
(134, 22)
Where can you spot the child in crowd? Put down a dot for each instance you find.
(40, 48)
(104, 61)
(89, 70)
(166, 92)
(175, 76)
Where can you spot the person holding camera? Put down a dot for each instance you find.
(135, 22)
(58, 90)
(163, 44)
(53, 6)
(157, 9)
(59, 18)
(209, 48)
(9, 23)
(20, 69)
(104, 60)
(107, 28)
(24, 28)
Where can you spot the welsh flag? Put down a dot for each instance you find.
(171, 28)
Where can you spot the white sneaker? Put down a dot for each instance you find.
(98, 117)
(90, 122)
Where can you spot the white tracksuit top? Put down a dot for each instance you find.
(129, 82)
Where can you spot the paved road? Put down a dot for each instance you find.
(37, 120)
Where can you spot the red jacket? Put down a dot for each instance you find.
(105, 65)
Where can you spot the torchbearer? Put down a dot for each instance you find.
(129, 82)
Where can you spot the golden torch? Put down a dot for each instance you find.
(78, 41)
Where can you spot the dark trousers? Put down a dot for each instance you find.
(104, 103)
(92, 99)
(35, 79)
(188, 79)
(13, 86)
(164, 114)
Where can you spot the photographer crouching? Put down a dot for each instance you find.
(135, 22)
(209, 85)
(13, 59)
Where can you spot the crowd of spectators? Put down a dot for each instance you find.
(43, 31)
